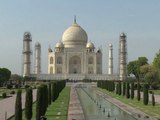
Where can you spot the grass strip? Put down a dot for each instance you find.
(148, 109)
(59, 109)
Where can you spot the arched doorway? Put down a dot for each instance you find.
(75, 65)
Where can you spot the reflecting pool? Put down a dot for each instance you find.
(96, 107)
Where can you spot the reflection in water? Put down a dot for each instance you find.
(97, 108)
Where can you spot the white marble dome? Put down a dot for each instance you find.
(74, 36)
(59, 45)
(90, 45)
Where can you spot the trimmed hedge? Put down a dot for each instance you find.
(145, 94)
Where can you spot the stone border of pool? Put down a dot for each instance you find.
(137, 114)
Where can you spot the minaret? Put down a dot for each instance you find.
(122, 57)
(37, 62)
(27, 39)
(110, 61)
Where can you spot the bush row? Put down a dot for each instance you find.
(46, 93)
(127, 89)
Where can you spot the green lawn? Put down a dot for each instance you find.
(57, 110)
(149, 109)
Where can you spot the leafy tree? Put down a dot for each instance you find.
(150, 73)
(16, 77)
(18, 106)
(133, 67)
(5, 75)
(28, 104)
(156, 61)
(142, 61)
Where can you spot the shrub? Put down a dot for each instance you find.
(4, 95)
(12, 92)
(27, 86)
(17, 86)
(9, 86)
(34, 87)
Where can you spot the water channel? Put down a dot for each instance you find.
(95, 107)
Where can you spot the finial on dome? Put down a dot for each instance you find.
(75, 19)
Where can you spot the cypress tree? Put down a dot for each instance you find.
(153, 99)
(127, 91)
(132, 90)
(18, 106)
(138, 92)
(57, 90)
(119, 88)
(49, 94)
(45, 98)
(53, 92)
(39, 103)
(124, 88)
(145, 94)
(28, 104)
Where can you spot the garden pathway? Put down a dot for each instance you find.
(7, 106)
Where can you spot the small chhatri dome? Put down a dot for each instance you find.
(90, 45)
(122, 34)
(74, 36)
(50, 50)
(59, 45)
(37, 44)
(110, 45)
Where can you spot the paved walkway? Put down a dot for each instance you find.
(75, 111)
(7, 106)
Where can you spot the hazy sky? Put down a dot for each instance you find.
(103, 20)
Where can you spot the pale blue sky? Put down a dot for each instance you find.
(103, 21)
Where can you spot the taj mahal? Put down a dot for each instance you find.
(74, 57)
